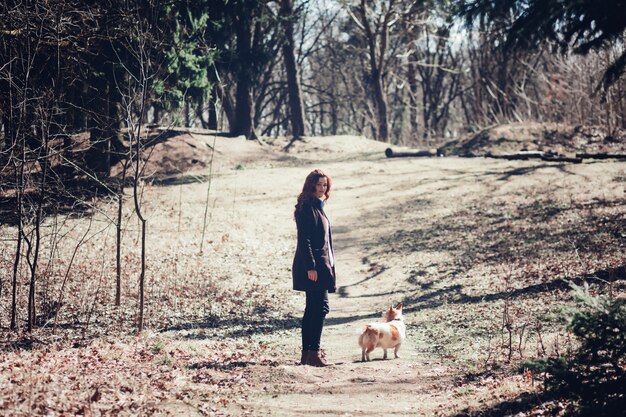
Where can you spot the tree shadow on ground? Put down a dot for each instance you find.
(229, 365)
(508, 173)
(492, 234)
(373, 295)
(548, 404)
(72, 198)
(232, 327)
(343, 290)
(453, 294)
(505, 176)
(242, 327)
(602, 277)
(517, 406)
(235, 327)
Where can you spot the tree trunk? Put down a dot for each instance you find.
(296, 105)
(9, 138)
(142, 276)
(156, 116)
(38, 219)
(333, 115)
(19, 189)
(118, 235)
(80, 121)
(186, 114)
(212, 123)
(381, 106)
(8, 121)
(200, 113)
(106, 127)
(244, 111)
(377, 46)
(142, 220)
(412, 79)
(227, 105)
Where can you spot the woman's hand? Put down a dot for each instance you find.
(312, 275)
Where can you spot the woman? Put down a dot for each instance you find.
(313, 264)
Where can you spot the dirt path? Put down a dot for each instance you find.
(415, 384)
(390, 387)
(478, 250)
(380, 387)
(375, 200)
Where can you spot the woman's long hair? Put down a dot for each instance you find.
(308, 189)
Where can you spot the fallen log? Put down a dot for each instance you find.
(601, 155)
(561, 158)
(390, 153)
(544, 156)
(522, 155)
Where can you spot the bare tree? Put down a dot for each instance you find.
(296, 106)
(136, 53)
(375, 20)
(18, 166)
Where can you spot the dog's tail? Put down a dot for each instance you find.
(369, 337)
(369, 329)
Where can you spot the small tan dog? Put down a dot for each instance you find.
(385, 335)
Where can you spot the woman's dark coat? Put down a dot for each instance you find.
(313, 249)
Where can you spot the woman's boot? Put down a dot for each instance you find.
(318, 358)
(304, 359)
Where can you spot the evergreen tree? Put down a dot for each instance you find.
(578, 26)
(244, 32)
(188, 58)
(594, 376)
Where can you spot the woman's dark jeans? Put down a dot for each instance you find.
(313, 319)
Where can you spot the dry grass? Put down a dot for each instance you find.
(479, 252)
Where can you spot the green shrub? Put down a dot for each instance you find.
(594, 375)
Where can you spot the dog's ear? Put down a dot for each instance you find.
(399, 306)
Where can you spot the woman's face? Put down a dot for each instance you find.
(321, 187)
